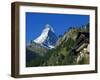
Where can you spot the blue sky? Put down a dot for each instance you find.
(35, 23)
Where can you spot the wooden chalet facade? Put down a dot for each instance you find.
(81, 47)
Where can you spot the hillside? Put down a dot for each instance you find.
(62, 54)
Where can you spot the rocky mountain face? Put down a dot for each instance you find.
(50, 50)
(47, 38)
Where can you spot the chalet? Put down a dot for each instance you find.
(81, 46)
(82, 42)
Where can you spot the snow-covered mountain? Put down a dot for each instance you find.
(47, 38)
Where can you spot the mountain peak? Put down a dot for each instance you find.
(47, 37)
(48, 27)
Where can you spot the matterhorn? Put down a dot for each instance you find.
(47, 38)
